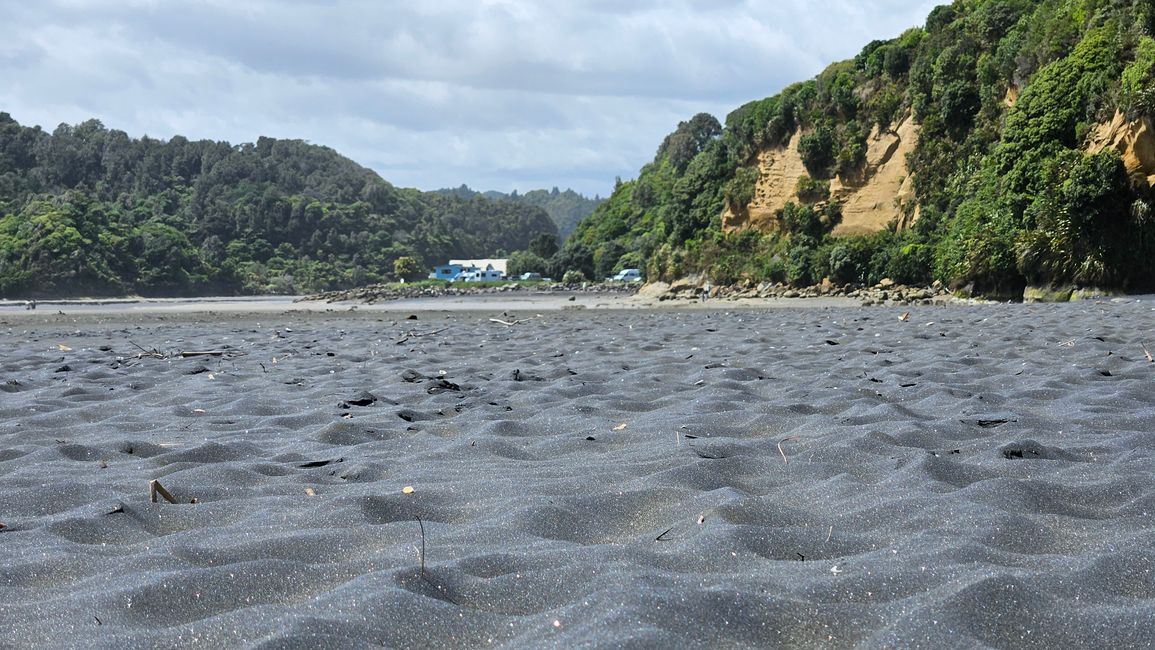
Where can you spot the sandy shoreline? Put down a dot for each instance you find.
(818, 477)
(527, 301)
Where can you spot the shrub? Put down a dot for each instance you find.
(1139, 77)
(631, 260)
(849, 260)
(800, 258)
(573, 276)
(407, 267)
(739, 191)
(773, 269)
(979, 249)
(883, 106)
(817, 150)
(801, 220)
(811, 190)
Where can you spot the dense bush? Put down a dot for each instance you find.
(739, 190)
(89, 211)
(1138, 81)
(574, 256)
(1001, 190)
(526, 262)
(1085, 232)
(817, 150)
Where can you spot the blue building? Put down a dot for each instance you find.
(445, 272)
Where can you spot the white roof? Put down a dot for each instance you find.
(495, 264)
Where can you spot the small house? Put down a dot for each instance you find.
(446, 272)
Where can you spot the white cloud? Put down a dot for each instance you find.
(499, 94)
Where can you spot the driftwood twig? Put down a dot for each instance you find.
(153, 353)
(212, 353)
(155, 488)
(514, 322)
(422, 525)
(781, 451)
(157, 354)
(416, 335)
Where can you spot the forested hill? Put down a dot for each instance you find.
(86, 210)
(1008, 143)
(566, 208)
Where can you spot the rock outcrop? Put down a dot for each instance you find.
(779, 169)
(886, 292)
(884, 189)
(1135, 142)
(877, 195)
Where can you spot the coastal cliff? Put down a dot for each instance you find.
(999, 146)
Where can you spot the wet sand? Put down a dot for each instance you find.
(821, 477)
(545, 301)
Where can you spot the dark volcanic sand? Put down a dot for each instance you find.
(975, 475)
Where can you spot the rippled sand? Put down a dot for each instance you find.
(824, 477)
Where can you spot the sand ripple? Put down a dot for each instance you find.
(972, 476)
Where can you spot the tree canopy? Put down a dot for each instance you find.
(85, 210)
(566, 208)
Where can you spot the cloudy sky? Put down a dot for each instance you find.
(498, 94)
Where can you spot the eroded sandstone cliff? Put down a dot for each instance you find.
(885, 188)
(878, 194)
(1135, 142)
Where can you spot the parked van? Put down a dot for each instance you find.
(628, 275)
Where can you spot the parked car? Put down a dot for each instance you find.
(529, 276)
(628, 275)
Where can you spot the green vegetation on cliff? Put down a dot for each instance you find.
(566, 208)
(1006, 191)
(89, 211)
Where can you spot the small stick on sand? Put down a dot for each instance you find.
(154, 353)
(420, 334)
(155, 488)
(422, 525)
(516, 322)
(829, 535)
(212, 353)
(416, 335)
(781, 451)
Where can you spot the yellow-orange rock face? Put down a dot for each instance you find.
(1135, 142)
(871, 200)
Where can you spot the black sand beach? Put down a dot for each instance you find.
(971, 476)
